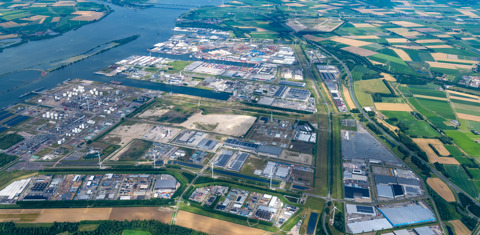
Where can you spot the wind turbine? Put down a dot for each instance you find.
(99, 162)
(212, 169)
(271, 175)
(154, 160)
(333, 213)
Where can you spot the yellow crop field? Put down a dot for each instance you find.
(432, 156)
(393, 107)
(431, 97)
(350, 42)
(441, 188)
(402, 54)
(406, 24)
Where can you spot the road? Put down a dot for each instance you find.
(308, 68)
(177, 207)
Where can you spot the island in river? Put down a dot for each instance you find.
(23, 21)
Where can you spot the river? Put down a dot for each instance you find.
(152, 24)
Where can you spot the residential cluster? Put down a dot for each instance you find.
(471, 81)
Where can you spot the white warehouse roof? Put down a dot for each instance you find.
(369, 225)
(14, 189)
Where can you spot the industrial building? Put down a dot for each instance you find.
(207, 144)
(240, 144)
(369, 225)
(407, 214)
(165, 183)
(384, 191)
(298, 94)
(385, 179)
(290, 83)
(238, 162)
(425, 230)
(224, 157)
(14, 189)
(359, 209)
(270, 151)
(352, 192)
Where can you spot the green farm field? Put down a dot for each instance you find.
(135, 232)
(428, 92)
(441, 108)
(460, 177)
(454, 151)
(416, 127)
(365, 88)
(475, 172)
(438, 121)
(466, 143)
(467, 109)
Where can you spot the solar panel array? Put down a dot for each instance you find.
(295, 93)
(397, 190)
(290, 83)
(239, 161)
(365, 209)
(223, 159)
(328, 76)
(240, 144)
(280, 91)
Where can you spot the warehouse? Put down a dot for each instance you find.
(207, 144)
(425, 230)
(298, 94)
(14, 189)
(397, 190)
(352, 192)
(384, 191)
(408, 214)
(270, 151)
(408, 182)
(282, 172)
(238, 162)
(358, 209)
(412, 191)
(385, 179)
(165, 183)
(369, 225)
(265, 213)
(224, 158)
(290, 83)
(241, 145)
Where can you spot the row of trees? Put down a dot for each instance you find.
(105, 227)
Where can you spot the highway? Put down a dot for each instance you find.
(388, 136)
(308, 68)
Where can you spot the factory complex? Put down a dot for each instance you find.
(259, 73)
(90, 187)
